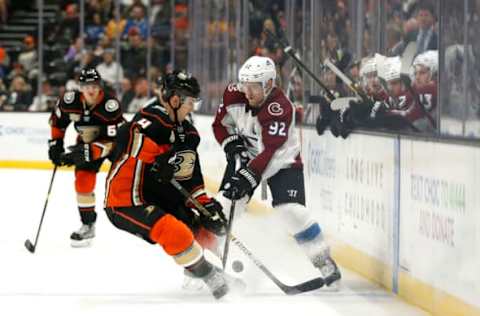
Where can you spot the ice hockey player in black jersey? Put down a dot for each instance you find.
(157, 145)
(96, 115)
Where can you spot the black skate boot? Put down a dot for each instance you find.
(83, 236)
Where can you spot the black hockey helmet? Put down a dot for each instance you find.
(89, 76)
(179, 83)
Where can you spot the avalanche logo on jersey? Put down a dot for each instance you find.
(275, 109)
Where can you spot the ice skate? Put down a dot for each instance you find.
(221, 283)
(83, 237)
(329, 270)
(216, 282)
(192, 283)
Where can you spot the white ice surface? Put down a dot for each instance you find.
(123, 275)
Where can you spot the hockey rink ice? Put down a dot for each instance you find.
(123, 275)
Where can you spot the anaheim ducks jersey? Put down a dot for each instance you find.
(269, 132)
(151, 132)
(95, 123)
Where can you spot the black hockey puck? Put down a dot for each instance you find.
(237, 266)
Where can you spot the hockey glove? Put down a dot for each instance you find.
(241, 184)
(235, 147)
(164, 166)
(325, 117)
(84, 153)
(216, 222)
(56, 151)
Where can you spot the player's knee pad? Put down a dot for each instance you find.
(240, 205)
(85, 181)
(296, 218)
(173, 235)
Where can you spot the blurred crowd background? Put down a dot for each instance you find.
(44, 44)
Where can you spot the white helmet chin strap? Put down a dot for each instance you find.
(266, 92)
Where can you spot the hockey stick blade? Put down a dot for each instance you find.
(29, 246)
(287, 289)
(308, 286)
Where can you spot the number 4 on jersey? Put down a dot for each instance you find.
(144, 123)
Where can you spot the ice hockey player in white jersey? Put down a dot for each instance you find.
(256, 122)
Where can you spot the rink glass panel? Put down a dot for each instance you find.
(212, 38)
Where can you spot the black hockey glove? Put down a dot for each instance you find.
(361, 109)
(79, 154)
(216, 223)
(56, 151)
(82, 153)
(164, 166)
(235, 147)
(339, 126)
(325, 117)
(241, 184)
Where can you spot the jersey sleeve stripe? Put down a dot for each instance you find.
(158, 118)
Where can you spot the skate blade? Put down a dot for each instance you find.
(194, 285)
(81, 243)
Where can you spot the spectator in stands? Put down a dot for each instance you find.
(69, 27)
(19, 97)
(137, 20)
(17, 70)
(103, 44)
(427, 38)
(134, 55)
(420, 29)
(28, 57)
(127, 94)
(3, 11)
(160, 19)
(113, 28)
(270, 48)
(129, 4)
(110, 71)
(141, 95)
(101, 7)
(74, 51)
(340, 57)
(4, 63)
(47, 100)
(3, 93)
(94, 29)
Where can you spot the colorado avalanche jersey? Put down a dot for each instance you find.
(269, 131)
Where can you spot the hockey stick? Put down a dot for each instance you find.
(348, 82)
(287, 289)
(28, 244)
(226, 247)
(230, 221)
(292, 53)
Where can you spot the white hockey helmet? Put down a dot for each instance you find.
(371, 65)
(428, 59)
(257, 69)
(390, 69)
